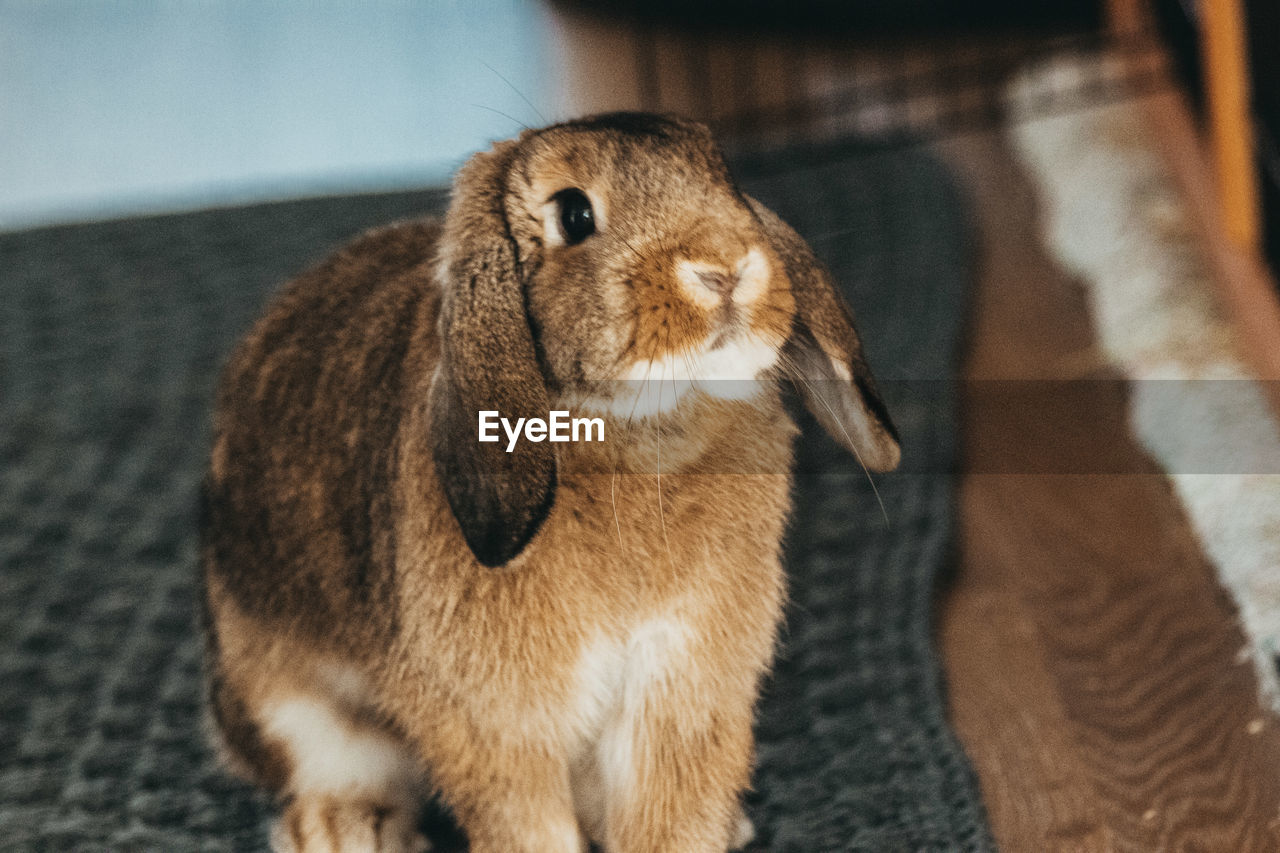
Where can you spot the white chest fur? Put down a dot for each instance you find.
(617, 680)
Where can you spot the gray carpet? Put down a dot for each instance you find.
(110, 338)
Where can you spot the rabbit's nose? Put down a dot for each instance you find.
(739, 281)
(720, 283)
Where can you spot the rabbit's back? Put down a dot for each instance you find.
(297, 517)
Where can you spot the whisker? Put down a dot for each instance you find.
(633, 249)
(657, 435)
(595, 384)
(644, 385)
(797, 375)
(769, 307)
(675, 386)
(613, 499)
(830, 234)
(688, 366)
(536, 111)
(775, 310)
(504, 115)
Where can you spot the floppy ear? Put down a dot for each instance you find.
(487, 363)
(824, 355)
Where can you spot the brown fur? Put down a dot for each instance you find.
(351, 516)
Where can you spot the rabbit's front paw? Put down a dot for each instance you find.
(314, 824)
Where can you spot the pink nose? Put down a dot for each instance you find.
(719, 282)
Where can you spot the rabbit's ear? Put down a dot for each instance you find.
(488, 362)
(824, 354)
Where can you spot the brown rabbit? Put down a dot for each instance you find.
(565, 641)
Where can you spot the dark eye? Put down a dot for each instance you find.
(577, 219)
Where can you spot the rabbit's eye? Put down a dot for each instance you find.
(577, 220)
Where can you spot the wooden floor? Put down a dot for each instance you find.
(1093, 662)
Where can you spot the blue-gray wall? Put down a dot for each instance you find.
(112, 108)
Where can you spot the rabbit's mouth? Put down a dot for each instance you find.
(730, 326)
(733, 364)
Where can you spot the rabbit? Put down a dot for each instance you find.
(564, 642)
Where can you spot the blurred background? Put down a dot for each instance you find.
(1093, 184)
(117, 108)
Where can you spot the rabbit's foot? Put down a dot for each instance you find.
(321, 824)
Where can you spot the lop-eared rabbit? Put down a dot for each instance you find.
(564, 641)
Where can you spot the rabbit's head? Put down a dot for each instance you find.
(599, 257)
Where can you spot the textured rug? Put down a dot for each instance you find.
(1116, 217)
(111, 336)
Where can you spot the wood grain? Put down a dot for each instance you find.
(1092, 658)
